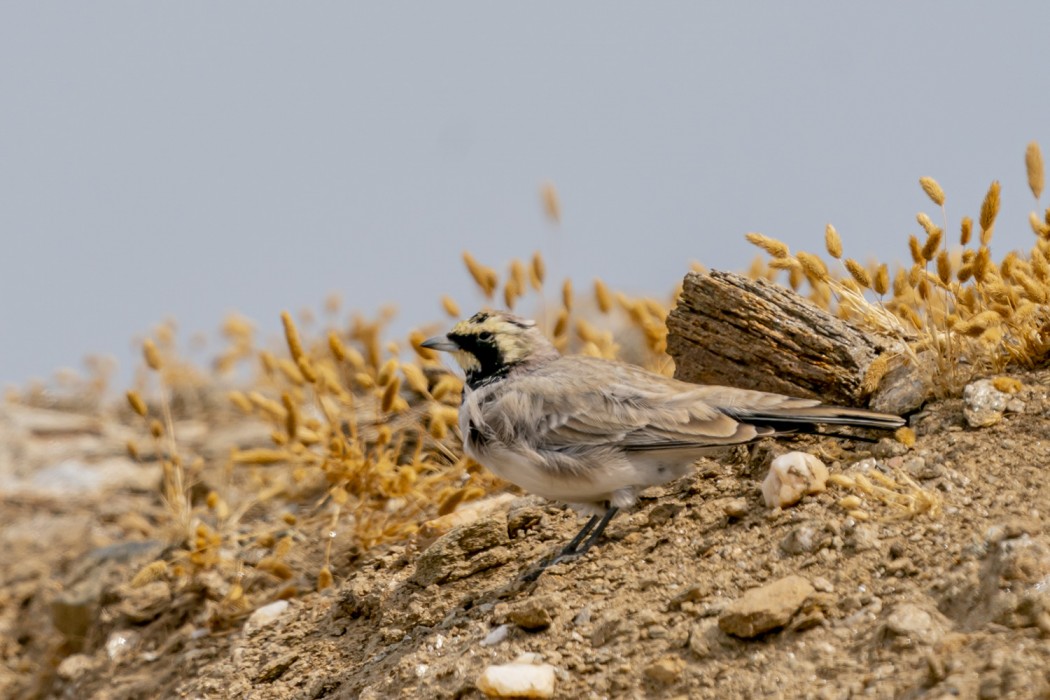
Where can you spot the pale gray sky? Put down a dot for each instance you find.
(188, 159)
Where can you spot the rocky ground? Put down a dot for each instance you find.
(701, 591)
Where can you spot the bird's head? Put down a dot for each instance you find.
(489, 344)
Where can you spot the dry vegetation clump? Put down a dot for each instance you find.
(957, 311)
(364, 440)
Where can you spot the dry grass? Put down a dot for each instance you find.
(957, 313)
(365, 444)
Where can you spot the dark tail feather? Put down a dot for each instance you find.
(806, 420)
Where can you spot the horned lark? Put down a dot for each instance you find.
(593, 433)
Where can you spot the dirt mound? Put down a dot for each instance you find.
(701, 591)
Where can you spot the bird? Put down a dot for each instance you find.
(593, 433)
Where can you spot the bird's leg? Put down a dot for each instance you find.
(575, 541)
(609, 514)
(573, 549)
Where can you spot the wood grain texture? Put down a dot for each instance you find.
(728, 329)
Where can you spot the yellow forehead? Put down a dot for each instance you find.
(493, 323)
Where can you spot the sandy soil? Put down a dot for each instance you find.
(955, 604)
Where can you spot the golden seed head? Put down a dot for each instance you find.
(932, 190)
(416, 340)
(566, 294)
(900, 281)
(850, 503)
(905, 436)
(1039, 227)
(772, 246)
(923, 288)
(874, 374)
(484, 277)
(387, 371)
(1007, 385)
(551, 202)
(977, 325)
(859, 274)
(537, 271)
(154, 571)
(989, 210)
(915, 275)
(929, 249)
(450, 306)
(812, 266)
(151, 354)
(335, 344)
(291, 334)
(390, 394)
(832, 242)
(156, 428)
(758, 269)
(1033, 161)
(926, 222)
(415, 378)
(137, 404)
(966, 230)
(324, 578)
(881, 284)
(916, 250)
(306, 366)
(510, 293)
(944, 267)
(910, 315)
(291, 418)
(785, 264)
(602, 297)
(561, 324)
(519, 275)
(982, 264)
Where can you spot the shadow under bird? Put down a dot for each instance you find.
(592, 432)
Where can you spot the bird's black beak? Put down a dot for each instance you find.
(439, 342)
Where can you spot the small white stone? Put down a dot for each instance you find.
(791, 476)
(983, 404)
(518, 680)
(496, 636)
(265, 615)
(120, 643)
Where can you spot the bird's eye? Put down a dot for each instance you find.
(485, 335)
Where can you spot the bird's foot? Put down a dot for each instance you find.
(562, 557)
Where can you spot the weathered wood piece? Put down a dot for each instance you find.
(728, 329)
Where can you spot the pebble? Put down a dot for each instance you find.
(121, 643)
(76, 665)
(532, 615)
(518, 680)
(804, 539)
(983, 404)
(901, 391)
(463, 551)
(792, 476)
(736, 508)
(765, 608)
(823, 585)
(703, 638)
(496, 636)
(264, 616)
(665, 670)
(910, 624)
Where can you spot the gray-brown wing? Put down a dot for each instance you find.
(581, 402)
